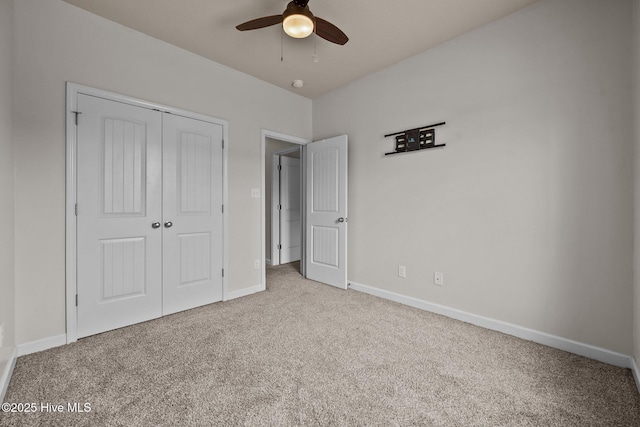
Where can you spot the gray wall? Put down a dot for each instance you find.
(7, 286)
(56, 42)
(528, 211)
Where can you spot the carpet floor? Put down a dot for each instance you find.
(305, 354)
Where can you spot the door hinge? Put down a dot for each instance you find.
(76, 209)
(76, 300)
(223, 144)
(222, 208)
(223, 272)
(280, 207)
(279, 246)
(279, 167)
(77, 113)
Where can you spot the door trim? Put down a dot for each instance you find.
(264, 134)
(73, 90)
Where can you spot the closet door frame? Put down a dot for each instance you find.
(73, 90)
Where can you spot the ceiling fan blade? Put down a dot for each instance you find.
(265, 21)
(330, 32)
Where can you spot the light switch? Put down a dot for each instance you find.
(402, 271)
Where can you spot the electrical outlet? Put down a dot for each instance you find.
(256, 264)
(255, 193)
(438, 278)
(402, 271)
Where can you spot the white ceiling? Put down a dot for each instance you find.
(380, 33)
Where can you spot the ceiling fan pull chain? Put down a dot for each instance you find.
(282, 46)
(315, 56)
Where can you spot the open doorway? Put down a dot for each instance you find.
(286, 207)
(283, 201)
(324, 172)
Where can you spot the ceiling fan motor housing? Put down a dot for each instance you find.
(301, 3)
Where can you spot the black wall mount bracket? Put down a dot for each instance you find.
(415, 139)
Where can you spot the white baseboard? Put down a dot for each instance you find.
(267, 261)
(636, 372)
(560, 343)
(41, 345)
(244, 292)
(5, 376)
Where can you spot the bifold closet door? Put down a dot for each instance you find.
(192, 213)
(119, 198)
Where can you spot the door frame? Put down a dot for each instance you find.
(73, 90)
(276, 217)
(264, 134)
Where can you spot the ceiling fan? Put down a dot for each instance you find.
(298, 22)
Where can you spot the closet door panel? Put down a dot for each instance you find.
(119, 197)
(192, 213)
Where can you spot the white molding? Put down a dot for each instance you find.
(268, 262)
(5, 377)
(71, 311)
(23, 350)
(225, 203)
(636, 372)
(73, 89)
(244, 292)
(554, 341)
(41, 345)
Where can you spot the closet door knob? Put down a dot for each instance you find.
(168, 224)
(155, 225)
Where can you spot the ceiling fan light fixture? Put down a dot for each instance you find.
(298, 22)
(298, 25)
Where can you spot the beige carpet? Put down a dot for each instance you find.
(303, 353)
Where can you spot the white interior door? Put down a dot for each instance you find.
(290, 217)
(326, 225)
(118, 199)
(192, 213)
